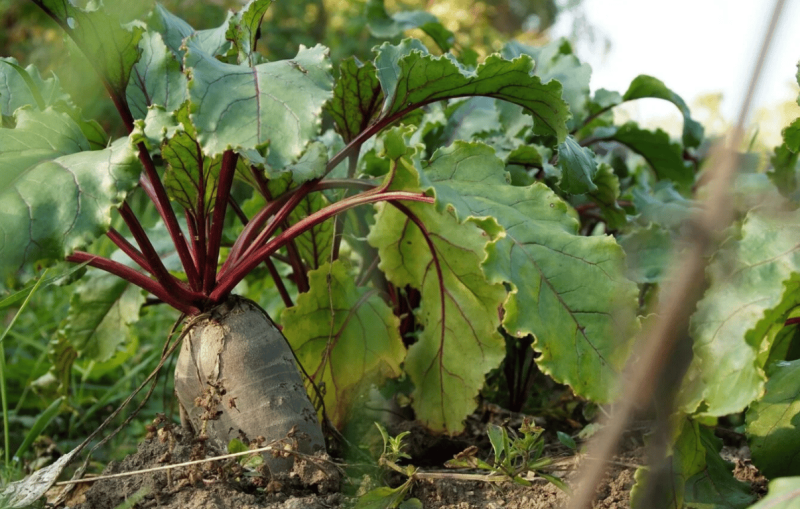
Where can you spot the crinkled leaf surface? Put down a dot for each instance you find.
(459, 343)
(172, 28)
(156, 78)
(578, 167)
(101, 310)
(242, 107)
(59, 205)
(745, 297)
(568, 290)
(381, 24)
(213, 41)
(783, 493)
(16, 90)
(344, 336)
(411, 77)
(644, 86)
(665, 157)
(311, 164)
(104, 34)
(357, 97)
(773, 422)
(699, 476)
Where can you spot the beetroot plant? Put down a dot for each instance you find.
(402, 216)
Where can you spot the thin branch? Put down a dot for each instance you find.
(129, 249)
(133, 277)
(280, 215)
(165, 279)
(164, 208)
(273, 271)
(224, 183)
(678, 299)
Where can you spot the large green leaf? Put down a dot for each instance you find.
(644, 86)
(238, 107)
(60, 205)
(101, 310)
(745, 297)
(344, 336)
(410, 77)
(357, 97)
(381, 24)
(696, 476)
(105, 34)
(156, 78)
(664, 156)
(773, 421)
(459, 343)
(569, 291)
(578, 167)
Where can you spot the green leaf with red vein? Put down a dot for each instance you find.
(157, 78)
(357, 98)
(345, 337)
(190, 178)
(569, 291)
(411, 77)
(459, 343)
(239, 107)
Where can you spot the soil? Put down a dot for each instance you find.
(316, 483)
